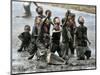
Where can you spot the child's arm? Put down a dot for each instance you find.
(87, 37)
(88, 41)
(21, 37)
(75, 33)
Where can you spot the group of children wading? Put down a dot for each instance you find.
(51, 35)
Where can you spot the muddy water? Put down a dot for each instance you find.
(20, 63)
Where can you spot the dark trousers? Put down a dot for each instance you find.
(24, 46)
(82, 52)
(71, 47)
(88, 54)
(56, 47)
(32, 49)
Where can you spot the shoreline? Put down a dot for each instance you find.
(85, 8)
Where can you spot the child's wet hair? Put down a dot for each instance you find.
(36, 18)
(39, 10)
(55, 18)
(81, 20)
(47, 12)
(27, 27)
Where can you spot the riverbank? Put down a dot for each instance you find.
(85, 8)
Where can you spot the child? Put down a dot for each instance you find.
(66, 36)
(71, 25)
(68, 29)
(43, 39)
(45, 29)
(81, 40)
(45, 34)
(39, 11)
(40, 36)
(25, 37)
(49, 13)
(35, 32)
(56, 36)
(36, 27)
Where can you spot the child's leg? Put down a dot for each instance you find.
(21, 47)
(80, 53)
(53, 47)
(65, 51)
(71, 48)
(59, 50)
(26, 45)
(33, 52)
(87, 53)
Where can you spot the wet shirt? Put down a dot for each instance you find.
(35, 31)
(25, 37)
(66, 35)
(56, 34)
(81, 36)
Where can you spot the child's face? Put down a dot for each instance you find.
(38, 21)
(26, 29)
(57, 21)
(49, 14)
(40, 11)
(81, 20)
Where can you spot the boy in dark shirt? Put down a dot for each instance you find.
(25, 37)
(81, 40)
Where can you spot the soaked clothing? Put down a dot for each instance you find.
(55, 44)
(33, 47)
(65, 41)
(82, 52)
(63, 20)
(43, 41)
(71, 29)
(35, 33)
(81, 41)
(25, 37)
(40, 39)
(44, 36)
(81, 36)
